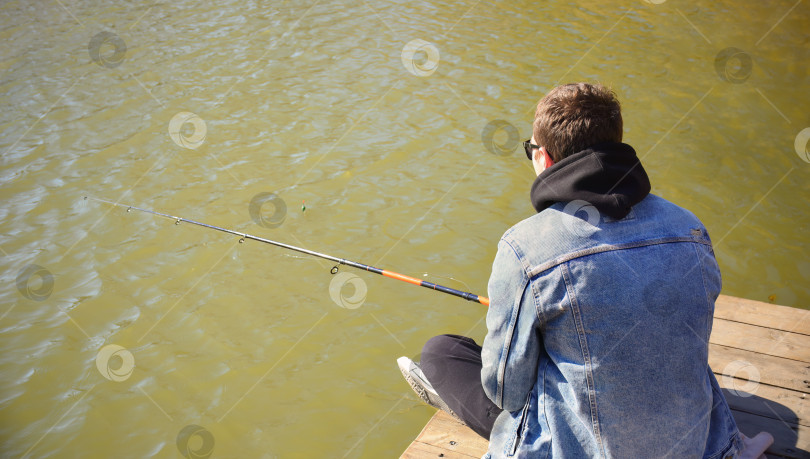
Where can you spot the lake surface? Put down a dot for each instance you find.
(324, 124)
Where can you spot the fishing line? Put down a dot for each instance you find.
(340, 261)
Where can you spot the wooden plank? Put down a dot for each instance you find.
(789, 440)
(419, 450)
(774, 371)
(771, 402)
(763, 314)
(761, 339)
(447, 433)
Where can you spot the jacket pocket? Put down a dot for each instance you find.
(520, 429)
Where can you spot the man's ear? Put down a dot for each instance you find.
(537, 159)
(546, 160)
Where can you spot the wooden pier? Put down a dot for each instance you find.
(760, 354)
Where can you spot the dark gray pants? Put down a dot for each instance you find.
(452, 364)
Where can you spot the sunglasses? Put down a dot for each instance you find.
(528, 146)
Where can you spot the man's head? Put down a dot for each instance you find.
(573, 117)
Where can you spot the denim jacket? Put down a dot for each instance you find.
(598, 332)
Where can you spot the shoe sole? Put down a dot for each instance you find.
(423, 394)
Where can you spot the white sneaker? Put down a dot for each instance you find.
(416, 378)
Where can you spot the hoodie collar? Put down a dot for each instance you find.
(608, 176)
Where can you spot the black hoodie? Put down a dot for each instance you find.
(608, 176)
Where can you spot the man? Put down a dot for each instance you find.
(600, 311)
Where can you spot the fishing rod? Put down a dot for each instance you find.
(340, 261)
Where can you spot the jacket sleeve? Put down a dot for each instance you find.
(512, 346)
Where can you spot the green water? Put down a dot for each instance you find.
(311, 101)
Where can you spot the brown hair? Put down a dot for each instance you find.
(573, 117)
